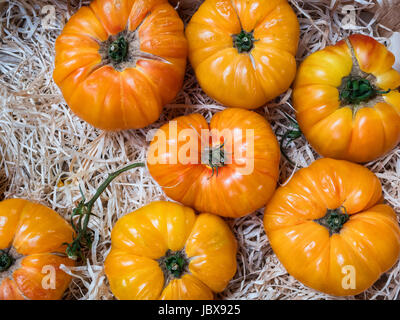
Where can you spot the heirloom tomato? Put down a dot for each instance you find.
(165, 251)
(347, 100)
(243, 51)
(32, 247)
(228, 167)
(330, 230)
(118, 62)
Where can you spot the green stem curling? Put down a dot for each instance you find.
(118, 50)
(83, 211)
(289, 136)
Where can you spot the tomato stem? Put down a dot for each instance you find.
(214, 157)
(334, 219)
(356, 90)
(243, 41)
(118, 50)
(175, 263)
(289, 136)
(6, 261)
(83, 211)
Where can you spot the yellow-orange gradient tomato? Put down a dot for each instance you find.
(329, 229)
(32, 249)
(343, 103)
(228, 167)
(165, 251)
(242, 51)
(118, 62)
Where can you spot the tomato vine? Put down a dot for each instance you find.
(81, 215)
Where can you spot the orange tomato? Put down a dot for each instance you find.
(118, 62)
(329, 229)
(32, 249)
(231, 172)
(344, 107)
(242, 51)
(165, 251)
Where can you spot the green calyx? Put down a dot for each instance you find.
(214, 158)
(356, 90)
(244, 41)
(118, 50)
(175, 263)
(5, 261)
(334, 220)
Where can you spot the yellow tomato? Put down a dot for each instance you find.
(242, 51)
(165, 251)
(119, 62)
(32, 249)
(233, 172)
(343, 103)
(329, 229)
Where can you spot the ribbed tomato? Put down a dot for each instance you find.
(242, 51)
(165, 251)
(329, 229)
(228, 167)
(118, 62)
(32, 249)
(347, 100)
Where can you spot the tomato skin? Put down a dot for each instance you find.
(330, 127)
(133, 97)
(37, 234)
(369, 242)
(141, 238)
(247, 79)
(232, 192)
